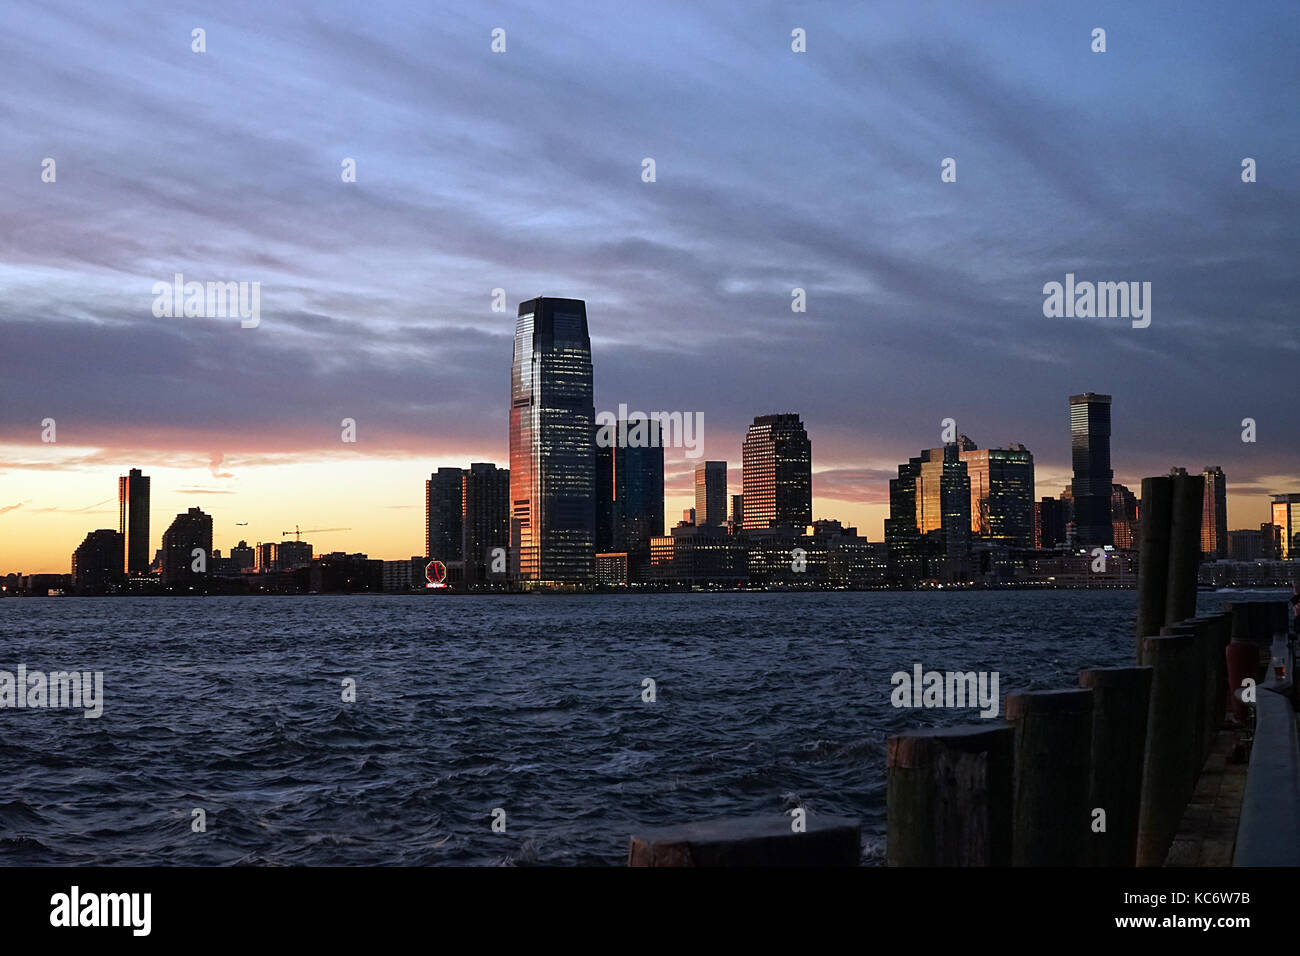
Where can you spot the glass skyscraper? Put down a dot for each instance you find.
(552, 445)
(133, 520)
(776, 477)
(711, 492)
(1090, 451)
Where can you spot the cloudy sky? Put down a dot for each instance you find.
(522, 170)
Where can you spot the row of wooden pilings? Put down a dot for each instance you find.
(1100, 774)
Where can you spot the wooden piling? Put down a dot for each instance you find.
(1120, 700)
(750, 841)
(1184, 547)
(1168, 765)
(1153, 558)
(1053, 747)
(949, 796)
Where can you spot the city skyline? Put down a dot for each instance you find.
(923, 298)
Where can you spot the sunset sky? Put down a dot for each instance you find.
(522, 171)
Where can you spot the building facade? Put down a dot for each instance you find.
(777, 473)
(133, 520)
(711, 492)
(1090, 428)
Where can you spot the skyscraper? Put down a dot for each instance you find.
(552, 438)
(711, 493)
(1214, 516)
(188, 531)
(443, 527)
(928, 529)
(1001, 493)
(97, 563)
(1286, 526)
(776, 478)
(1124, 517)
(629, 486)
(133, 520)
(485, 518)
(1090, 448)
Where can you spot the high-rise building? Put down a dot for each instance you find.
(133, 520)
(928, 530)
(1090, 449)
(443, 512)
(711, 493)
(1124, 517)
(1051, 515)
(97, 562)
(629, 488)
(1286, 522)
(552, 439)
(485, 519)
(776, 476)
(1001, 493)
(1214, 516)
(190, 530)
(737, 511)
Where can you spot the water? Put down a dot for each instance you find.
(527, 703)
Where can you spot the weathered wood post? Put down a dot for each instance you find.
(1167, 770)
(949, 796)
(1153, 557)
(1050, 818)
(1184, 547)
(1120, 700)
(750, 841)
(1198, 673)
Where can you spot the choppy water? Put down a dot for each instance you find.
(529, 703)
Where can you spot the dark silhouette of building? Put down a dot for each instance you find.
(485, 519)
(776, 477)
(97, 563)
(1214, 516)
(242, 556)
(630, 490)
(1090, 451)
(1051, 515)
(189, 531)
(552, 438)
(1124, 508)
(737, 511)
(133, 520)
(283, 556)
(444, 513)
(711, 493)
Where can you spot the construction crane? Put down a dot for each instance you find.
(297, 534)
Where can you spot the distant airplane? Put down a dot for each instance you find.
(240, 524)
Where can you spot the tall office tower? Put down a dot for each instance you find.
(928, 529)
(1124, 517)
(1286, 527)
(188, 531)
(776, 476)
(1214, 516)
(711, 492)
(552, 445)
(629, 486)
(133, 520)
(97, 563)
(1001, 492)
(485, 519)
(737, 511)
(443, 527)
(1090, 447)
(943, 503)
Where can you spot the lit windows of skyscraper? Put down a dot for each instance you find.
(1090, 450)
(1286, 525)
(552, 461)
(1214, 516)
(133, 520)
(1124, 517)
(711, 493)
(1001, 493)
(777, 473)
